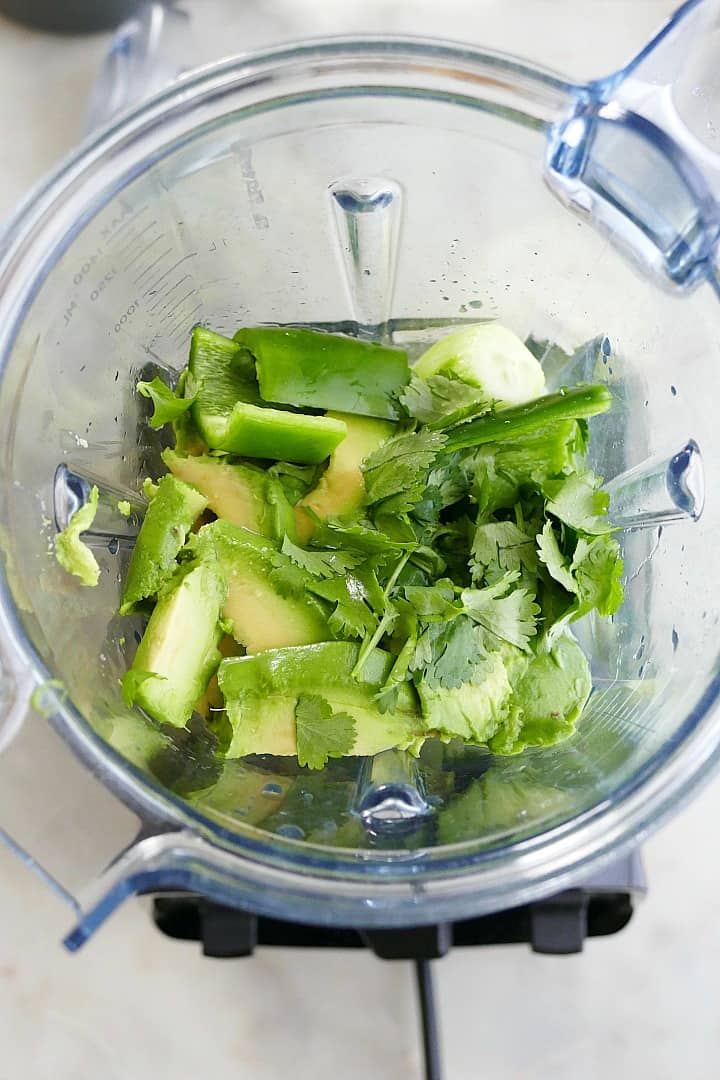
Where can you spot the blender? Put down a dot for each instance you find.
(391, 189)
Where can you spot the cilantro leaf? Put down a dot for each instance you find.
(577, 501)
(433, 603)
(436, 397)
(447, 482)
(550, 554)
(501, 545)
(351, 617)
(598, 568)
(447, 653)
(167, 405)
(321, 733)
(322, 564)
(510, 616)
(396, 473)
(361, 536)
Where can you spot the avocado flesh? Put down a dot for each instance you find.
(340, 491)
(241, 494)
(550, 695)
(179, 647)
(476, 709)
(249, 796)
(170, 515)
(261, 693)
(262, 618)
(487, 356)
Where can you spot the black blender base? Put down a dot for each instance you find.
(559, 924)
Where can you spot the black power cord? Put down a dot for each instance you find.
(428, 1017)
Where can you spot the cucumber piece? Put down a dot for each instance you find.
(487, 356)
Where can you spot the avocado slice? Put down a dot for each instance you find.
(490, 357)
(476, 709)
(326, 371)
(261, 616)
(248, 795)
(179, 650)
(550, 696)
(340, 491)
(496, 802)
(261, 693)
(241, 494)
(171, 514)
(230, 414)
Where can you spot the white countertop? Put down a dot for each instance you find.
(134, 1005)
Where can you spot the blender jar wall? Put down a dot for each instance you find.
(231, 221)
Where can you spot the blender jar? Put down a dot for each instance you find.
(392, 189)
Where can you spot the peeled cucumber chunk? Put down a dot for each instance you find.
(487, 356)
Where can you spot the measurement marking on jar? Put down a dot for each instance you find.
(134, 239)
(143, 251)
(120, 224)
(142, 273)
(102, 284)
(151, 289)
(126, 315)
(186, 323)
(159, 302)
(172, 310)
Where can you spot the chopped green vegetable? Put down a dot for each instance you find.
(508, 423)
(72, 554)
(387, 583)
(179, 649)
(326, 371)
(124, 508)
(239, 493)
(261, 695)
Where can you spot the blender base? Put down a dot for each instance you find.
(559, 924)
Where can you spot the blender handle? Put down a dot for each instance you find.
(146, 54)
(639, 156)
(47, 795)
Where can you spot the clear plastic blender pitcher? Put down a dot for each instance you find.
(391, 189)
